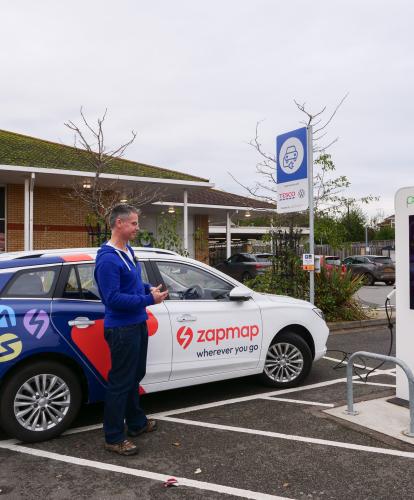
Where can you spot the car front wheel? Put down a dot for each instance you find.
(40, 401)
(288, 361)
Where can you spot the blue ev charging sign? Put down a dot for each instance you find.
(292, 171)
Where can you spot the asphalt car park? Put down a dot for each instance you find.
(229, 439)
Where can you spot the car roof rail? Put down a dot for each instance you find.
(155, 250)
(33, 254)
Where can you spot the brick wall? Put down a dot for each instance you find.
(58, 221)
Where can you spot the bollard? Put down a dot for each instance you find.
(381, 357)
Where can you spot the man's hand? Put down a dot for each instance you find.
(158, 295)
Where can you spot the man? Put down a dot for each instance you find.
(125, 296)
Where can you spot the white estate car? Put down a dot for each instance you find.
(211, 328)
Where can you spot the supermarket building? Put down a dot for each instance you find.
(36, 212)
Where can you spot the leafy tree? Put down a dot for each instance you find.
(329, 231)
(353, 222)
(384, 233)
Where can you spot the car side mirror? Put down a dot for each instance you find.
(240, 293)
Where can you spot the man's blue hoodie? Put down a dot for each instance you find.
(122, 290)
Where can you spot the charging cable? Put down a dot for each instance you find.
(357, 371)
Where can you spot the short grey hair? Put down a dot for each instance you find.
(121, 211)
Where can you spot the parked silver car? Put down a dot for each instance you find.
(245, 266)
(372, 267)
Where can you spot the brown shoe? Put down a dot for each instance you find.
(125, 448)
(150, 427)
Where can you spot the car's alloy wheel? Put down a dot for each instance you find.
(288, 361)
(284, 362)
(42, 402)
(39, 401)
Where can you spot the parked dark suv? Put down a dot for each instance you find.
(372, 267)
(244, 266)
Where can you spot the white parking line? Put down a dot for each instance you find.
(243, 399)
(201, 485)
(224, 402)
(297, 401)
(374, 383)
(290, 437)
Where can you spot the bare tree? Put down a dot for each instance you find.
(97, 194)
(328, 190)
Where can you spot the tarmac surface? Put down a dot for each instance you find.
(374, 296)
(231, 439)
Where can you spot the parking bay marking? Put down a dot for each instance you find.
(206, 406)
(291, 437)
(297, 401)
(215, 404)
(182, 481)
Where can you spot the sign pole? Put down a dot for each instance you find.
(311, 212)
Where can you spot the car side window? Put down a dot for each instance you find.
(88, 285)
(80, 284)
(35, 283)
(72, 289)
(144, 274)
(186, 282)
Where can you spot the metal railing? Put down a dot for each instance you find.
(381, 357)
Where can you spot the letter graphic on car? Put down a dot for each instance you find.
(290, 157)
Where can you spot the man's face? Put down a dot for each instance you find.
(128, 227)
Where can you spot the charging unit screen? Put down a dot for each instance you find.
(411, 243)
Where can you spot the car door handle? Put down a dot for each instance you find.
(81, 322)
(186, 317)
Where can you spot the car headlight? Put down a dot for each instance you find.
(319, 313)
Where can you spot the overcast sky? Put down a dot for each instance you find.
(193, 77)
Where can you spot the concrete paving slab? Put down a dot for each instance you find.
(378, 415)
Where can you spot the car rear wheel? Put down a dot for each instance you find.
(288, 361)
(390, 282)
(40, 401)
(369, 280)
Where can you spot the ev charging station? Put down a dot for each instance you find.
(404, 245)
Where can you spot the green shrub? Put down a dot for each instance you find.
(334, 290)
(334, 295)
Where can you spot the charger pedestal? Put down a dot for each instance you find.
(404, 256)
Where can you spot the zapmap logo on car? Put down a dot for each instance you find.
(10, 347)
(36, 322)
(185, 336)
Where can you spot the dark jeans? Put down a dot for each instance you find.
(128, 346)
